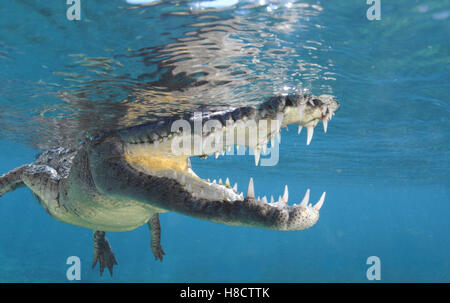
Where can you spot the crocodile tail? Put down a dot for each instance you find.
(11, 180)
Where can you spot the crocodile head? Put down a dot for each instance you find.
(159, 153)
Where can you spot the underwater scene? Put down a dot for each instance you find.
(357, 93)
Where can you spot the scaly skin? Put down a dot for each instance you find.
(121, 180)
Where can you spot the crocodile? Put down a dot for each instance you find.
(122, 179)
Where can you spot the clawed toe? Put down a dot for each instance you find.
(103, 254)
(158, 252)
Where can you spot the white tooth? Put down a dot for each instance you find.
(216, 155)
(286, 194)
(310, 130)
(311, 102)
(220, 181)
(279, 137)
(257, 155)
(251, 189)
(299, 129)
(325, 124)
(264, 148)
(264, 199)
(271, 199)
(300, 111)
(209, 180)
(324, 110)
(259, 198)
(280, 199)
(305, 199)
(214, 181)
(309, 205)
(235, 187)
(155, 143)
(223, 153)
(320, 202)
(183, 179)
(227, 182)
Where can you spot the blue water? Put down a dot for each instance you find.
(384, 161)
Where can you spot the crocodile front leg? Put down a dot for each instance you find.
(103, 253)
(155, 234)
(12, 180)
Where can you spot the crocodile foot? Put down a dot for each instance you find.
(103, 253)
(158, 252)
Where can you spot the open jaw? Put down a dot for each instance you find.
(161, 151)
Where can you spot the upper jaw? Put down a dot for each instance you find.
(308, 111)
(303, 110)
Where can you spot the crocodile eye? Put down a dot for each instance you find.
(317, 102)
